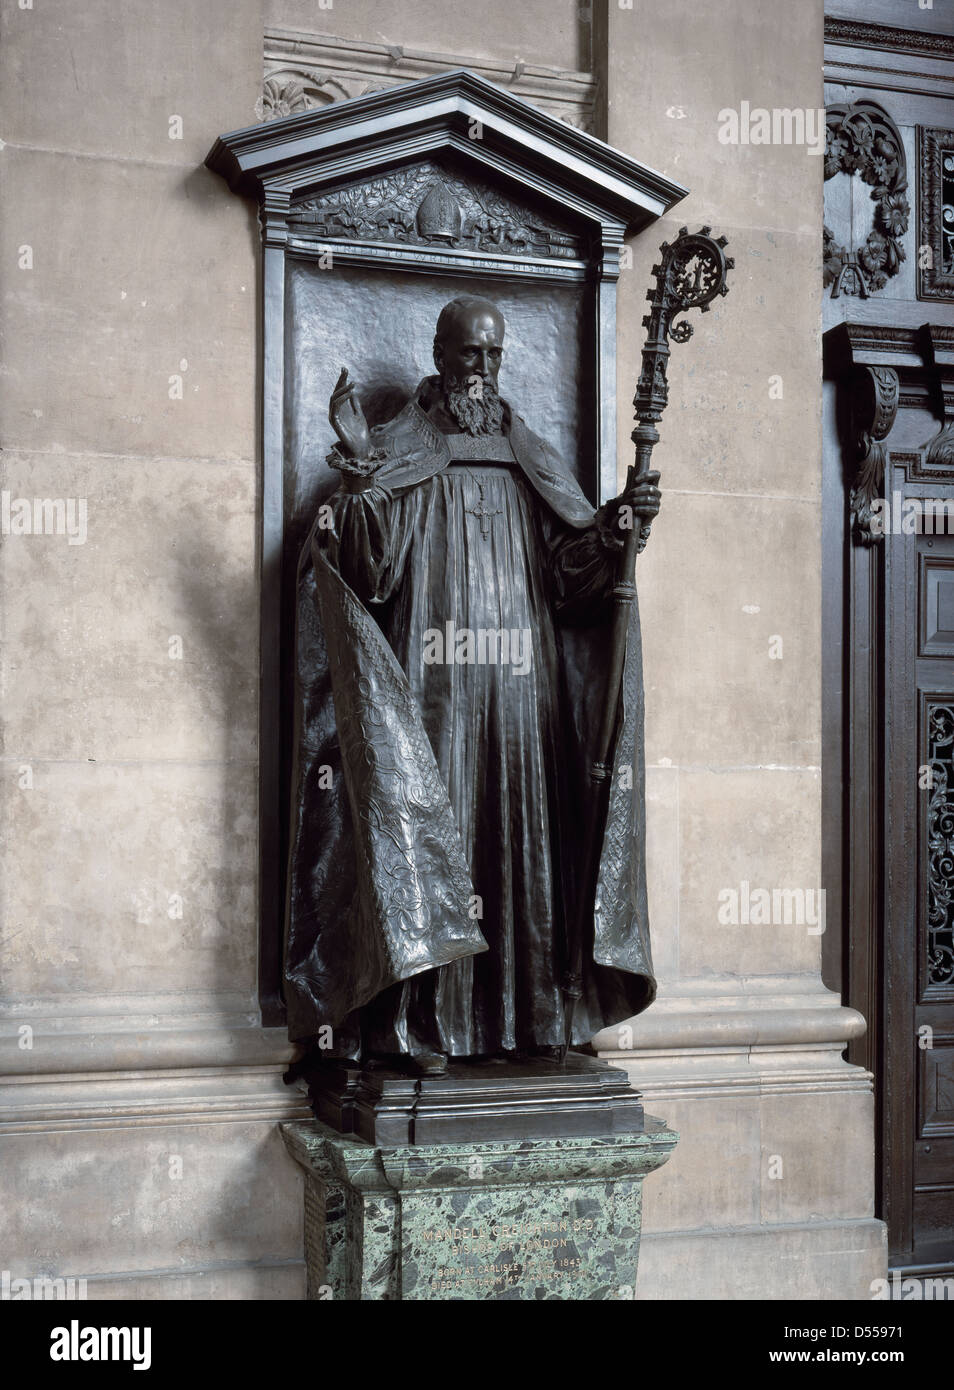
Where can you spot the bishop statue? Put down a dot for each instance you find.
(453, 612)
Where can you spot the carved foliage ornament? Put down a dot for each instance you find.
(875, 405)
(862, 139)
(283, 98)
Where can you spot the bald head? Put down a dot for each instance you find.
(469, 340)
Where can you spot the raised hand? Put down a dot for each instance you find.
(347, 419)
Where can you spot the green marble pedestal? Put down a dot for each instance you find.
(516, 1219)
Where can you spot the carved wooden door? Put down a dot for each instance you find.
(888, 757)
(919, 872)
(897, 778)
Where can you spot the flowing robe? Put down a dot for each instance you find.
(461, 616)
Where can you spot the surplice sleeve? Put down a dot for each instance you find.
(368, 539)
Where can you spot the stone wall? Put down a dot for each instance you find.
(138, 1142)
(139, 1096)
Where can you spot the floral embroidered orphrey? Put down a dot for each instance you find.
(862, 139)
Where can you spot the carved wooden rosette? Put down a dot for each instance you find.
(862, 138)
(875, 407)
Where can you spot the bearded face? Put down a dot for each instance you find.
(473, 403)
(468, 346)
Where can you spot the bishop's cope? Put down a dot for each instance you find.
(451, 655)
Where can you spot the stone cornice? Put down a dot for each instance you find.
(786, 1025)
(143, 1049)
(315, 69)
(206, 1095)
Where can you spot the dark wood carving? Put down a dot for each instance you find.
(936, 213)
(888, 38)
(875, 403)
(939, 458)
(863, 139)
(939, 943)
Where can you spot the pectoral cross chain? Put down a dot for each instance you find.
(483, 512)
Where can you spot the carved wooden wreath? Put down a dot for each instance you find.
(863, 139)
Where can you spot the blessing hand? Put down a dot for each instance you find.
(347, 419)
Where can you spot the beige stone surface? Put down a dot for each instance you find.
(712, 1178)
(141, 641)
(662, 859)
(108, 1042)
(99, 858)
(104, 78)
(830, 1260)
(731, 578)
(750, 826)
(551, 32)
(722, 579)
(137, 269)
(742, 416)
(666, 92)
(109, 1201)
(817, 1158)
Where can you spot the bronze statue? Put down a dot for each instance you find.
(453, 629)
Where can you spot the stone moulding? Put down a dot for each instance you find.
(698, 1024)
(305, 70)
